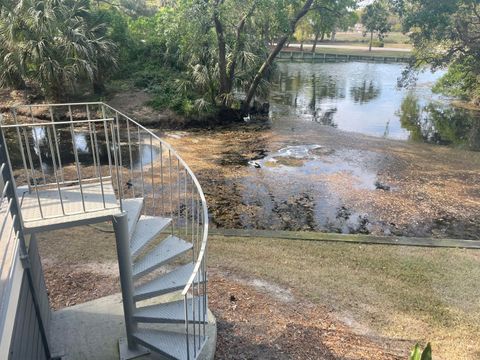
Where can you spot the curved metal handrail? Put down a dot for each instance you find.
(112, 134)
(203, 246)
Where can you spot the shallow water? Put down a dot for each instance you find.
(142, 154)
(345, 150)
(365, 98)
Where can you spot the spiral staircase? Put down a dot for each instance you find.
(85, 163)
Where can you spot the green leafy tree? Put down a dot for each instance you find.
(220, 46)
(54, 44)
(375, 20)
(301, 9)
(325, 23)
(224, 45)
(446, 34)
(303, 31)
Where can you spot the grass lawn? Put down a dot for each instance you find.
(400, 292)
(390, 39)
(358, 52)
(365, 44)
(363, 52)
(394, 292)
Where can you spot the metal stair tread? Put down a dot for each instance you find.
(172, 312)
(168, 343)
(166, 251)
(169, 282)
(146, 229)
(133, 208)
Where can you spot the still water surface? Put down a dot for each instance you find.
(342, 154)
(365, 98)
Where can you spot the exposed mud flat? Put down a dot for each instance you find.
(317, 178)
(291, 174)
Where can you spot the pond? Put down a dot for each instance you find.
(142, 154)
(345, 150)
(365, 98)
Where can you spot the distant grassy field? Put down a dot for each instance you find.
(414, 294)
(403, 293)
(365, 44)
(356, 37)
(360, 52)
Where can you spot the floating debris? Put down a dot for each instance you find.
(380, 186)
(254, 164)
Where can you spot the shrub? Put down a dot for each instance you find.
(418, 354)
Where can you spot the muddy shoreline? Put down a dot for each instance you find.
(371, 185)
(296, 175)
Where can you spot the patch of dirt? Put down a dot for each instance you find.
(256, 319)
(69, 285)
(11, 97)
(134, 104)
(253, 323)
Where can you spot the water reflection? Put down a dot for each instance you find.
(42, 143)
(439, 124)
(360, 97)
(325, 117)
(364, 92)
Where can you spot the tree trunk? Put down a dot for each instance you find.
(98, 87)
(317, 35)
(273, 54)
(236, 50)
(222, 53)
(301, 45)
(371, 40)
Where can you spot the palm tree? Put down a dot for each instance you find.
(52, 44)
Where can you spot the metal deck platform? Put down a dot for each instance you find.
(99, 204)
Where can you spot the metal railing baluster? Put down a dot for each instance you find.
(152, 175)
(56, 143)
(204, 274)
(20, 144)
(115, 159)
(186, 204)
(185, 300)
(55, 170)
(141, 165)
(194, 326)
(99, 164)
(162, 192)
(107, 142)
(198, 277)
(178, 193)
(120, 162)
(193, 223)
(197, 225)
(199, 312)
(37, 147)
(34, 178)
(77, 162)
(92, 145)
(171, 188)
(132, 180)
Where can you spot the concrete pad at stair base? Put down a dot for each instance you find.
(92, 330)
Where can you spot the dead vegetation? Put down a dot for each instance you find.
(351, 301)
(253, 324)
